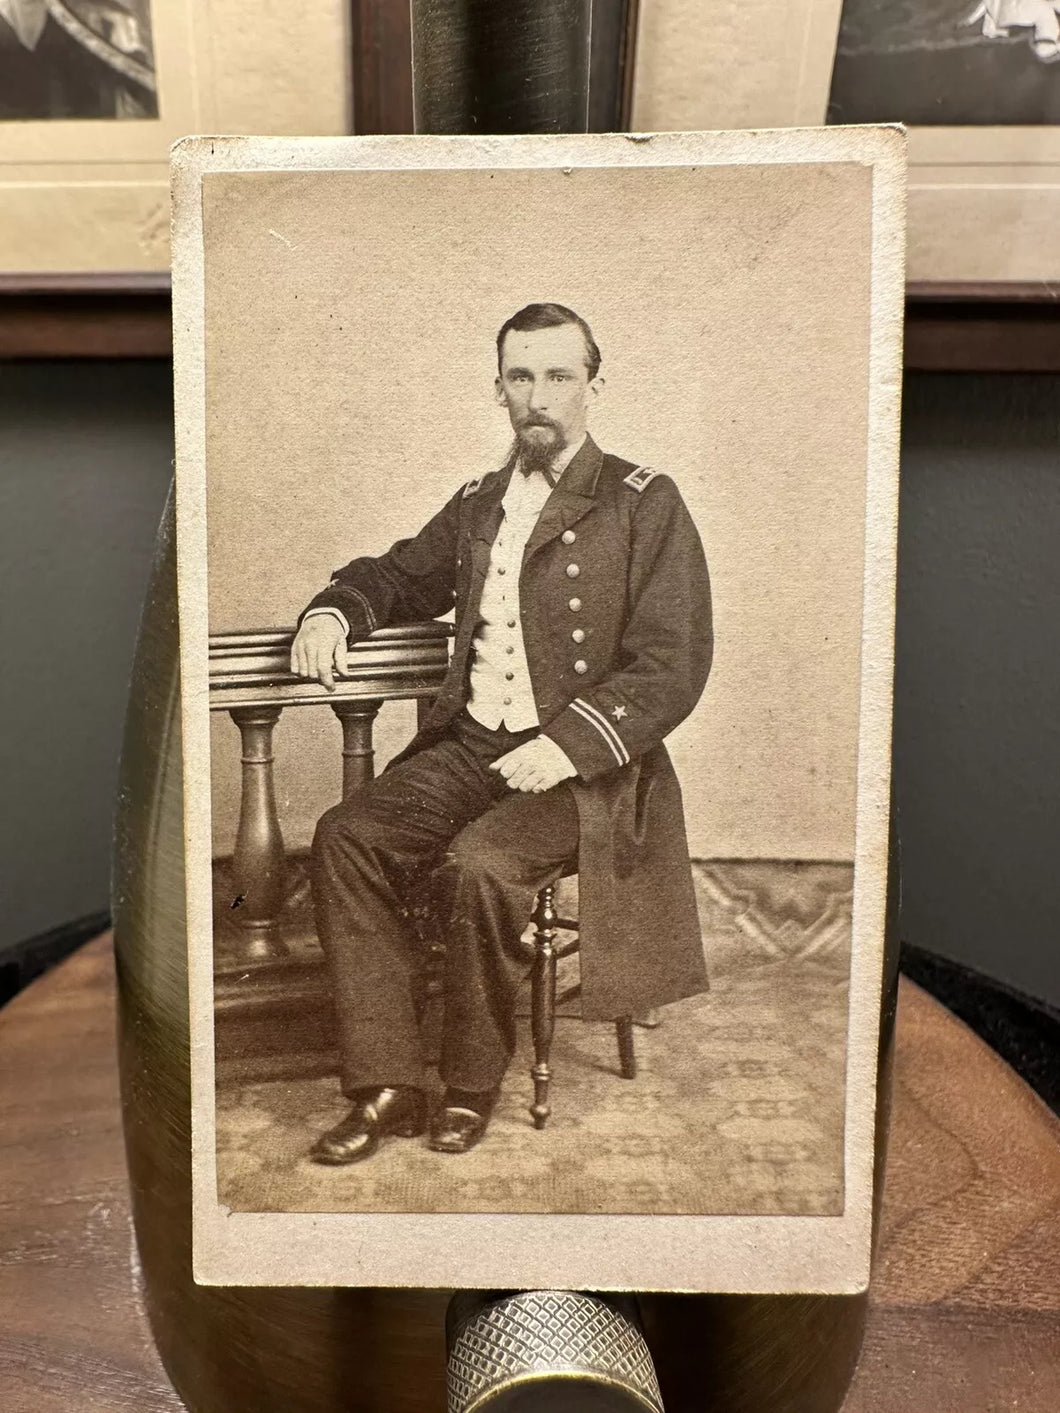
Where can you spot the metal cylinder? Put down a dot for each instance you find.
(501, 66)
(549, 1351)
(311, 1350)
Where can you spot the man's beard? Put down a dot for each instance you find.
(539, 449)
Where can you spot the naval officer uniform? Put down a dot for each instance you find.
(583, 613)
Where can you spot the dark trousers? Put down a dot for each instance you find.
(487, 850)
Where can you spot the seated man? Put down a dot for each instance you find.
(583, 636)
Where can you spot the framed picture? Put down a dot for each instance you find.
(977, 86)
(572, 502)
(94, 92)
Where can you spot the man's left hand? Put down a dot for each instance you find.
(535, 765)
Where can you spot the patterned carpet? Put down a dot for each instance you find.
(736, 1109)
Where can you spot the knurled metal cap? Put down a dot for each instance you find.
(555, 1350)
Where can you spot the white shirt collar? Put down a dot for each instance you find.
(567, 455)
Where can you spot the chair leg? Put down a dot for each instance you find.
(627, 1058)
(543, 1001)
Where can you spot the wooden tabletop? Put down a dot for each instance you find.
(965, 1312)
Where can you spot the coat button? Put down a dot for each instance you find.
(509, 677)
(575, 605)
(578, 635)
(568, 537)
(573, 571)
(511, 622)
(501, 569)
(581, 667)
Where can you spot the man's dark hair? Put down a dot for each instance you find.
(551, 316)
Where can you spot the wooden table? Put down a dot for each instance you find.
(965, 1315)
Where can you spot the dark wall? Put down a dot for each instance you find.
(977, 718)
(85, 453)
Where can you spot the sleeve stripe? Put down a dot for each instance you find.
(607, 731)
(369, 613)
(585, 715)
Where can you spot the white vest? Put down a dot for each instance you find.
(501, 691)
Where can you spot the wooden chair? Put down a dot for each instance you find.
(545, 951)
(544, 1000)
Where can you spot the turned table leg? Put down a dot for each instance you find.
(259, 864)
(358, 754)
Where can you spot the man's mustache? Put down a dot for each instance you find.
(537, 422)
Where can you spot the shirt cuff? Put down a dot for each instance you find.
(560, 755)
(333, 613)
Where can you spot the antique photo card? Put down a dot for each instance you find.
(536, 517)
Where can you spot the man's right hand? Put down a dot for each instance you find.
(319, 649)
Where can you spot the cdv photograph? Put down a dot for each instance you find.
(536, 514)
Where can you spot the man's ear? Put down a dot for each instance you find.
(498, 392)
(595, 390)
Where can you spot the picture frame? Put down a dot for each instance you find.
(984, 202)
(954, 320)
(55, 304)
(86, 201)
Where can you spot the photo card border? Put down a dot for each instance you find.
(685, 1254)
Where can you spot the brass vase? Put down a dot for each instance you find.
(301, 1350)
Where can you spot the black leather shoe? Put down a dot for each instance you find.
(456, 1130)
(400, 1113)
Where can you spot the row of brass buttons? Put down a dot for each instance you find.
(578, 635)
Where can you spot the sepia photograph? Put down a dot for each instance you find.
(947, 63)
(535, 528)
(76, 59)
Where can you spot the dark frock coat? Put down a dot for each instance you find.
(616, 558)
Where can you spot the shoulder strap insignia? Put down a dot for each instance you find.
(472, 487)
(639, 478)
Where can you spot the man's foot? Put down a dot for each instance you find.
(461, 1121)
(379, 1113)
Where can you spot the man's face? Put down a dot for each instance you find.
(544, 384)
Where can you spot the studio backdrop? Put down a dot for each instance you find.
(350, 393)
